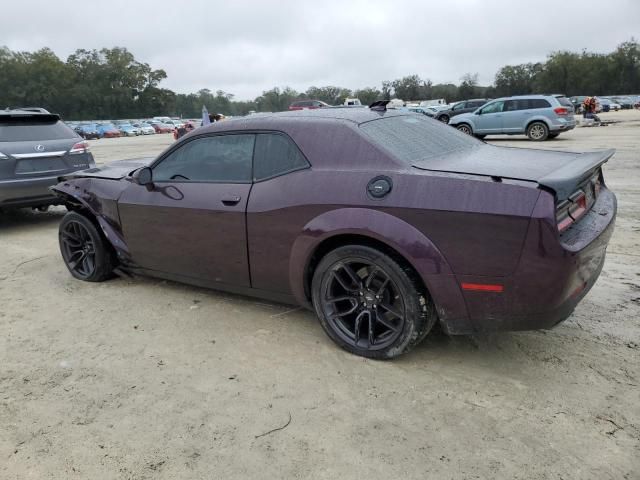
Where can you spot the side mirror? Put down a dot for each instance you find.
(143, 176)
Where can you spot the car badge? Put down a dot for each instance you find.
(39, 148)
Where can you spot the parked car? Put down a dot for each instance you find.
(464, 106)
(420, 110)
(87, 131)
(175, 123)
(35, 148)
(307, 105)
(162, 127)
(625, 103)
(127, 130)
(108, 130)
(609, 105)
(538, 116)
(145, 128)
(355, 213)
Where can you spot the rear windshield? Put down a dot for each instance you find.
(565, 102)
(26, 130)
(415, 138)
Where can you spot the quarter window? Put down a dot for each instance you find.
(276, 154)
(220, 159)
(538, 103)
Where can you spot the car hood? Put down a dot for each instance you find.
(560, 171)
(113, 171)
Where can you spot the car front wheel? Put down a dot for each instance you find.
(369, 304)
(464, 128)
(444, 118)
(84, 249)
(537, 131)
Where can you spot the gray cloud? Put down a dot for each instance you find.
(245, 47)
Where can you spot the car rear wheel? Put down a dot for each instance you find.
(84, 249)
(537, 131)
(464, 128)
(369, 304)
(444, 118)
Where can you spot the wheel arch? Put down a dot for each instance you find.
(102, 212)
(464, 122)
(537, 120)
(381, 230)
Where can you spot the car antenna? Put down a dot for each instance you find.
(379, 106)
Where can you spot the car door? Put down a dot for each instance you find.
(458, 108)
(489, 118)
(274, 216)
(514, 114)
(192, 221)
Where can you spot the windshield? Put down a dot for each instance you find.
(414, 138)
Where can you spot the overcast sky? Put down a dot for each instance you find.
(244, 47)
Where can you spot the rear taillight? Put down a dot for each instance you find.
(80, 147)
(578, 204)
(563, 219)
(561, 110)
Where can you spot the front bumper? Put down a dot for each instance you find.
(552, 277)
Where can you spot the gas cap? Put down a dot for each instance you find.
(379, 187)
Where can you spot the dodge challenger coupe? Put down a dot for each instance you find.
(382, 222)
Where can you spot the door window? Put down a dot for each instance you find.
(494, 107)
(219, 159)
(276, 154)
(459, 106)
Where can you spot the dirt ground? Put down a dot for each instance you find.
(141, 378)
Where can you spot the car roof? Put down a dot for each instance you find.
(351, 114)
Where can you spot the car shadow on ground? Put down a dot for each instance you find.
(21, 218)
(525, 139)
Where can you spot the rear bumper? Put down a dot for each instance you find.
(563, 125)
(552, 277)
(30, 192)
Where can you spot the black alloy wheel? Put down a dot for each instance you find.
(369, 304)
(84, 249)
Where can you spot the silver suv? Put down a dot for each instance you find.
(35, 148)
(538, 116)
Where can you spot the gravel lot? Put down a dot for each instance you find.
(141, 378)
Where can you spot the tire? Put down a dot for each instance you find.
(444, 118)
(537, 131)
(369, 304)
(85, 251)
(465, 128)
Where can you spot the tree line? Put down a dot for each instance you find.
(111, 83)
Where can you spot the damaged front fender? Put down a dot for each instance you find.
(99, 198)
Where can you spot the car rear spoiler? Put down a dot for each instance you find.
(566, 179)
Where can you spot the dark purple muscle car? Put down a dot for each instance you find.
(382, 222)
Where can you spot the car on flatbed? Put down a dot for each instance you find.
(383, 222)
(36, 147)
